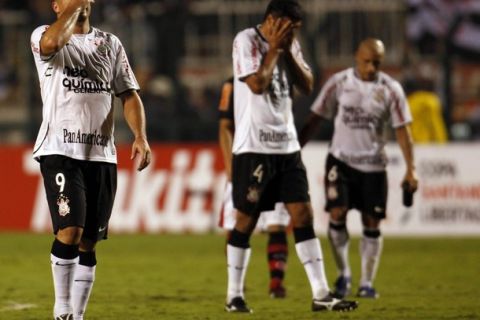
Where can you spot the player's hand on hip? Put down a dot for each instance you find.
(141, 151)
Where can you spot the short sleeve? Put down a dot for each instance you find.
(399, 108)
(123, 77)
(35, 43)
(325, 105)
(246, 56)
(297, 53)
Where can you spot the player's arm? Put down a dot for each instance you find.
(405, 141)
(302, 77)
(323, 108)
(60, 32)
(135, 116)
(309, 128)
(226, 128)
(259, 81)
(301, 74)
(225, 138)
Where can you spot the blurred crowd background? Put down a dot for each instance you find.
(180, 51)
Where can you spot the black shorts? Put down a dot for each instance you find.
(354, 189)
(79, 193)
(261, 180)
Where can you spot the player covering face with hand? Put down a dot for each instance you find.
(79, 68)
(267, 166)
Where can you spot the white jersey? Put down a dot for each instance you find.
(361, 110)
(263, 122)
(76, 85)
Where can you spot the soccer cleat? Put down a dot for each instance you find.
(367, 292)
(278, 292)
(67, 316)
(343, 287)
(239, 305)
(329, 303)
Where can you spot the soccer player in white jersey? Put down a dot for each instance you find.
(80, 68)
(274, 222)
(266, 165)
(361, 101)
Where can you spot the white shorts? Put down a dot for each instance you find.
(278, 216)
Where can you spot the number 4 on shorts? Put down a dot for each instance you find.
(258, 173)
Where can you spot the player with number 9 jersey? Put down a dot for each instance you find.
(80, 69)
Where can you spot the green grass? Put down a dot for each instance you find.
(184, 277)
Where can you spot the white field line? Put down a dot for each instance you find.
(15, 306)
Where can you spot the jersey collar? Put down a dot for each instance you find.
(257, 30)
(356, 75)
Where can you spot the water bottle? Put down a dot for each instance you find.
(407, 195)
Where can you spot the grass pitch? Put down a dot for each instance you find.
(184, 277)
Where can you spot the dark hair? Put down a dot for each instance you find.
(284, 8)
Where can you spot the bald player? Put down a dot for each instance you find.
(360, 101)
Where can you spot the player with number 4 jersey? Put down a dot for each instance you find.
(267, 165)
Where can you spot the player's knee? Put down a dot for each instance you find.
(70, 235)
(370, 222)
(245, 223)
(302, 215)
(87, 245)
(276, 228)
(338, 214)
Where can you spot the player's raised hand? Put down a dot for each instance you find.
(141, 151)
(288, 40)
(278, 33)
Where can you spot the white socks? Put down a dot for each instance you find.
(310, 254)
(370, 250)
(73, 284)
(339, 241)
(82, 287)
(237, 263)
(63, 272)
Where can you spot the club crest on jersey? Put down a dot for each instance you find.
(101, 46)
(103, 49)
(332, 193)
(63, 207)
(253, 194)
(379, 96)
